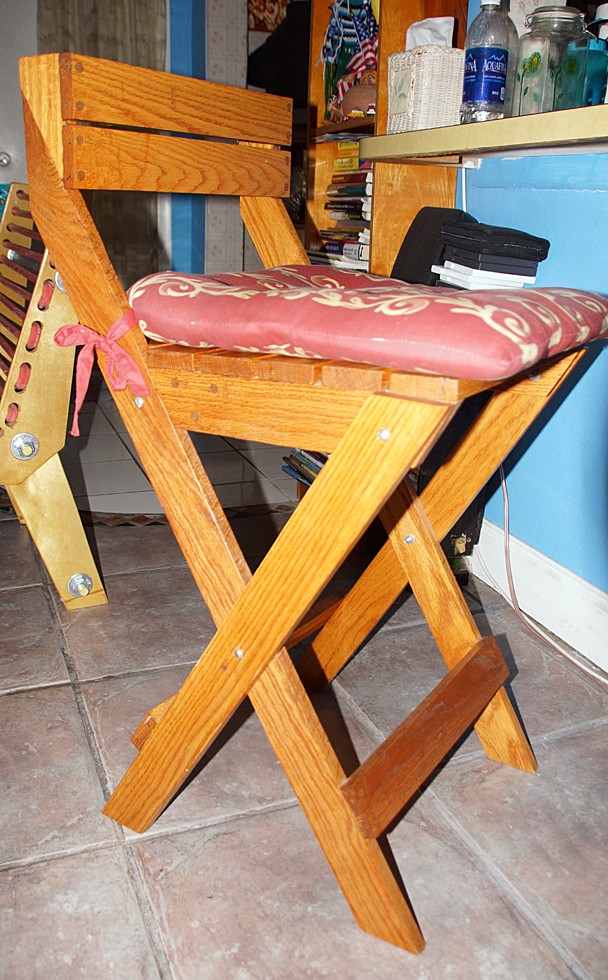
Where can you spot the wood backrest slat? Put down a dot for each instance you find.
(96, 90)
(110, 159)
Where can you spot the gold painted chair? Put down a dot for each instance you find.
(92, 124)
(35, 385)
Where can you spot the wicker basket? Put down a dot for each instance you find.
(424, 88)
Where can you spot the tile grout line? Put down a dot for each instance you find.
(584, 726)
(136, 673)
(264, 476)
(7, 691)
(76, 686)
(153, 932)
(359, 713)
(150, 925)
(215, 821)
(121, 841)
(508, 888)
(34, 860)
(145, 568)
(137, 461)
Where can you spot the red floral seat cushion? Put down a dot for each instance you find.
(308, 311)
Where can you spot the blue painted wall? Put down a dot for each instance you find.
(558, 477)
(187, 57)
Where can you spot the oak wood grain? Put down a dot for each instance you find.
(98, 90)
(290, 577)
(427, 570)
(268, 411)
(374, 897)
(498, 428)
(389, 777)
(208, 544)
(315, 618)
(400, 191)
(341, 375)
(272, 231)
(449, 617)
(215, 559)
(357, 377)
(107, 159)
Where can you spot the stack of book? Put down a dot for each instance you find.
(473, 270)
(348, 206)
(303, 465)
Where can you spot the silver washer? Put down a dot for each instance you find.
(80, 585)
(24, 446)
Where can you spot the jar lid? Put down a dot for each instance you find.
(563, 15)
(568, 15)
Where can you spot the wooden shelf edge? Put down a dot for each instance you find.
(360, 122)
(550, 129)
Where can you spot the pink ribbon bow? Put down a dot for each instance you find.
(121, 368)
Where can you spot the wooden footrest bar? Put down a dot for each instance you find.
(380, 787)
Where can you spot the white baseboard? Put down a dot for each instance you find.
(555, 597)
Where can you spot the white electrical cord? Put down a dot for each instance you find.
(513, 600)
(463, 179)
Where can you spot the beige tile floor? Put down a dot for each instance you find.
(507, 872)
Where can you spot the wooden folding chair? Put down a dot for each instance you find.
(92, 124)
(35, 386)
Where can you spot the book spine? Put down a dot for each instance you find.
(317, 459)
(344, 163)
(298, 463)
(296, 476)
(350, 250)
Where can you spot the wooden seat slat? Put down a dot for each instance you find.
(336, 375)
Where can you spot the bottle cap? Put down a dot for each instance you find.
(490, 3)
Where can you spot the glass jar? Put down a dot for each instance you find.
(551, 61)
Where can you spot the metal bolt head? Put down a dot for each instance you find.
(409, 539)
(24, 446)
(534, 375)
(139, 402)
(80, 585)
(239, 654)
(59, 283)
(384, 434)
(5, 159)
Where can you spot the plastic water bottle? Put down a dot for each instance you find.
(485, 66)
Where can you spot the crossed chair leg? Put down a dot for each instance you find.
(482, 449)
(247, 657)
